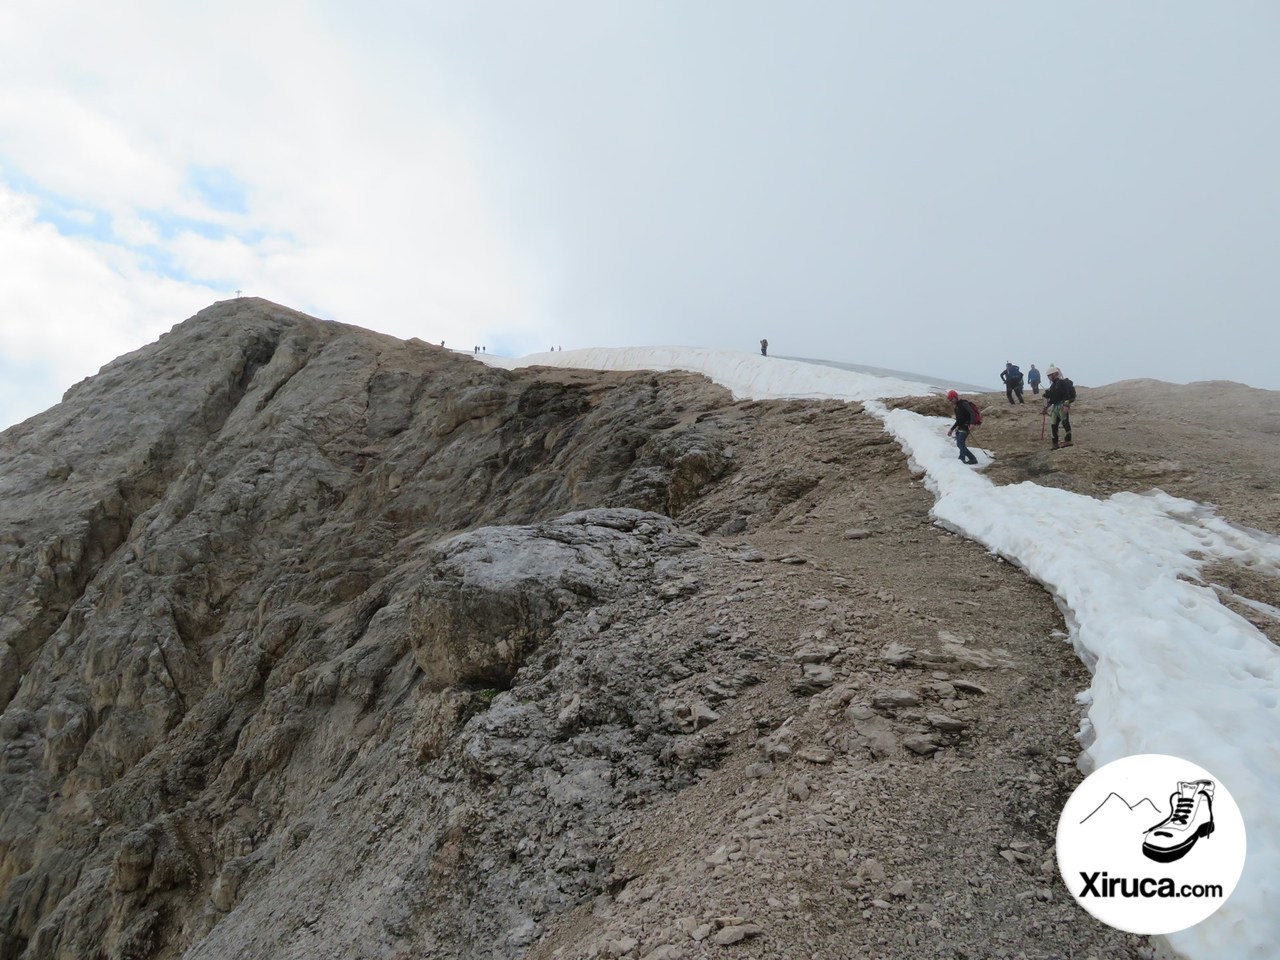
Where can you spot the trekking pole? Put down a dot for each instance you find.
(1043, 414)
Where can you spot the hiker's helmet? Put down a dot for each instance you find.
(952, 395)
(1053, 372)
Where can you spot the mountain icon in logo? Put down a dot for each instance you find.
(1117, 813)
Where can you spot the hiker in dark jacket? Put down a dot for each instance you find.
(1057, 404)
(964, 420)
(1033, 379)
(1012, 378)
(764, 348)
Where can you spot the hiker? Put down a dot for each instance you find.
(1057, 404)
(1012, 378)
(1033, 380)
(764, 348)
(964, 420)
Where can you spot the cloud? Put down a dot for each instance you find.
(144, 175)
(72, 304)
(870, 183)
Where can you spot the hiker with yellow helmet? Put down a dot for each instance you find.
(1057, 403)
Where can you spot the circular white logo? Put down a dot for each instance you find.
(1151, 844)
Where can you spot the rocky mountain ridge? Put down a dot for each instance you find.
(319, 643)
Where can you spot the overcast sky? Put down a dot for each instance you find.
(934, 188)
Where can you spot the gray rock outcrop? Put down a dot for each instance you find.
(220, 602)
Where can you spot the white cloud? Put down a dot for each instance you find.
(68, 306)
(364, 205)
(584, 174)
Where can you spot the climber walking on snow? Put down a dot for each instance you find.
(965, 421)
(1058, 397)
(1012, 378)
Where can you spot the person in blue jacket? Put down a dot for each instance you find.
(1033, 380)
(1012, 378)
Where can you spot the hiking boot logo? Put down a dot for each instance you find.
(1127, 857)
(1190, 818)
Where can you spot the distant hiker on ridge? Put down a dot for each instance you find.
(1057, 404)
(1033, 379)
(764, 348)
(1012, 378)
(964, 422)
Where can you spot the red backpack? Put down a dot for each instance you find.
(975, 415)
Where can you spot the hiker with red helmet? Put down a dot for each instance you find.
(1057, 404)
(964, 422)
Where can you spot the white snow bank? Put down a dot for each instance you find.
(746, 375)
(1174, 671)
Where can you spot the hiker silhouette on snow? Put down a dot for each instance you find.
(965, 421)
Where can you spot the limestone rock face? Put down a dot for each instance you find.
(221, 595)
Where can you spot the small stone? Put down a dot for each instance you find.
(755, 771)
(901, 889)
(773, 750)
(857, 533)
(895, 698)
(793, 560)
(1014, 856)
(701, 716)
(872, 870)
(966, 686)
(921, 744)
(816, 754)
(570, 715)
(737, 933)
(798, 790)
(720, 856)
(898, 654)
(882, 744)
(812, 655)
(946, 722)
